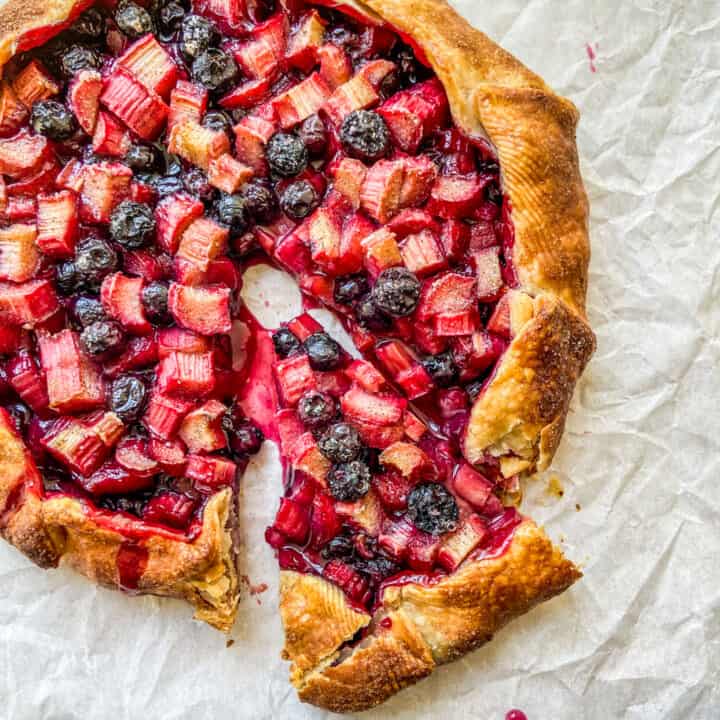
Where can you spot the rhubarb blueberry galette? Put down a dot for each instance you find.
(416, 180)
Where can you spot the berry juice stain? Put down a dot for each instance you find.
(131, 563)
(516, 715)
(592, 55)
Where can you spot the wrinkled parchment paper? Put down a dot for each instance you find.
(639, 637)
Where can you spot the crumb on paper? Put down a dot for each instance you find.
(578, 507)
(555, 486)
(229, 643)
(254, 588)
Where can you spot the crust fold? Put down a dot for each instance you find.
(421, 626)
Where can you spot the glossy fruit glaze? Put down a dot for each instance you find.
(148, 154)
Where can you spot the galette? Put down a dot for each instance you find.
(417, 181)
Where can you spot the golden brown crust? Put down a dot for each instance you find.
(421, 626)
(61, 531)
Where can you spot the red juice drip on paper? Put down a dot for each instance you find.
(516, 715)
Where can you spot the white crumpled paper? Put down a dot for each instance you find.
(639, 636)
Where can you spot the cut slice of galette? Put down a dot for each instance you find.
(417, 180)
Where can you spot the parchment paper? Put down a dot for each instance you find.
(639, 637)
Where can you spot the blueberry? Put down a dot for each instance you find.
(316, 409)
(88, 310)
(198, 34)
(364, 135)
(94, 259)
(132, 224)
(493, 194)
(165, 185)
(170, 18)
(232, 211)
(218, 120)
(432, 509)
(397, 292)
(442, 369)
(474, 389)
(142, 157)
(323, 352)
(287, 154)
(77, 58)
(155, 302)
(53, 120)
(260, 201)
(350, 288)
(410, 71)
(133, 20)
(246, 438)
(20, 414)
(285, 343)
(196, 183)
(341, 546)
(313, 133)
(101, 337)
(132, 504)
(67, 277)
(214, 69)
(370, 316)
(299, 199)
(90, 25)
(341, 443)
(127, 397)
(350, 481)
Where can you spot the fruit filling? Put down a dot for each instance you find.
(148, 153)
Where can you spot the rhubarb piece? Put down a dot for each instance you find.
(252, 134)
(29, 303)
(447, 293)
(169, 508)
(131, 454)
(164, 414)
(173, 215)
(142, 110)
(228, 174)
(197, 144)
(33, 84)
(352, 583)
(112, 479)
(28, 381)
(19, 255)
(22, 154)
(202, 241)
(455, 238)
(472, 486)
(210, 473)
(423, 254)
(482, 236)
(121, 297)
(170, 455)
(324, 523)
(304, 42)
(261, 56)
(73, 382)
(57, 224)
(110, 137)
(381, 252)
(395, 538)
(201, 429)
(295, 377)
(12, 112)
(356, 94)
(292, 520)
(455, 324)
(409, 460)
(178, 340)
(149, 63)
(380, 192)
(84, 98)
(306, 457)
(335, 65)
(10, 337)
(365, 375)
(384, 410)
(301, 101)
(392, 489)
(187, 374)
(139, 352)
(489, 274)
(500, 321)
(349, 178)
(461, 543)
(420, 174)
(366, 514)
(187, 102)
(104, 186)
(455, 197)
(204, 310)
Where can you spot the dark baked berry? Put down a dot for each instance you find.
(77, 58)
(397, 292)
(432, 509)
(299, 199)
(287, 154)
(127, 397)
(155, 302)
(350, 481)
(343, 36)
(341, 443)
(165, 185)
(493, 193)
(90, 25)
(196, 183)
(53, 120)
(316, 409)
(198, 35)
(377, 568)
(132, 504)
(101, 337)
(365, 136)
(170, 17)
(442, 369)
(214, 69)
(409, 69)
(132, 224)
(285, 343)
(370, 316)
(94, 259)
(350, 288)
(20, 414)
(133, 20)
(341, 546)
(246, 438)
(323, 352)
(474, 389)
(143, 157)
(313, 133)
(218, 120)
(232, 211)
(87, 310)
(67, 277)
(260, 201)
